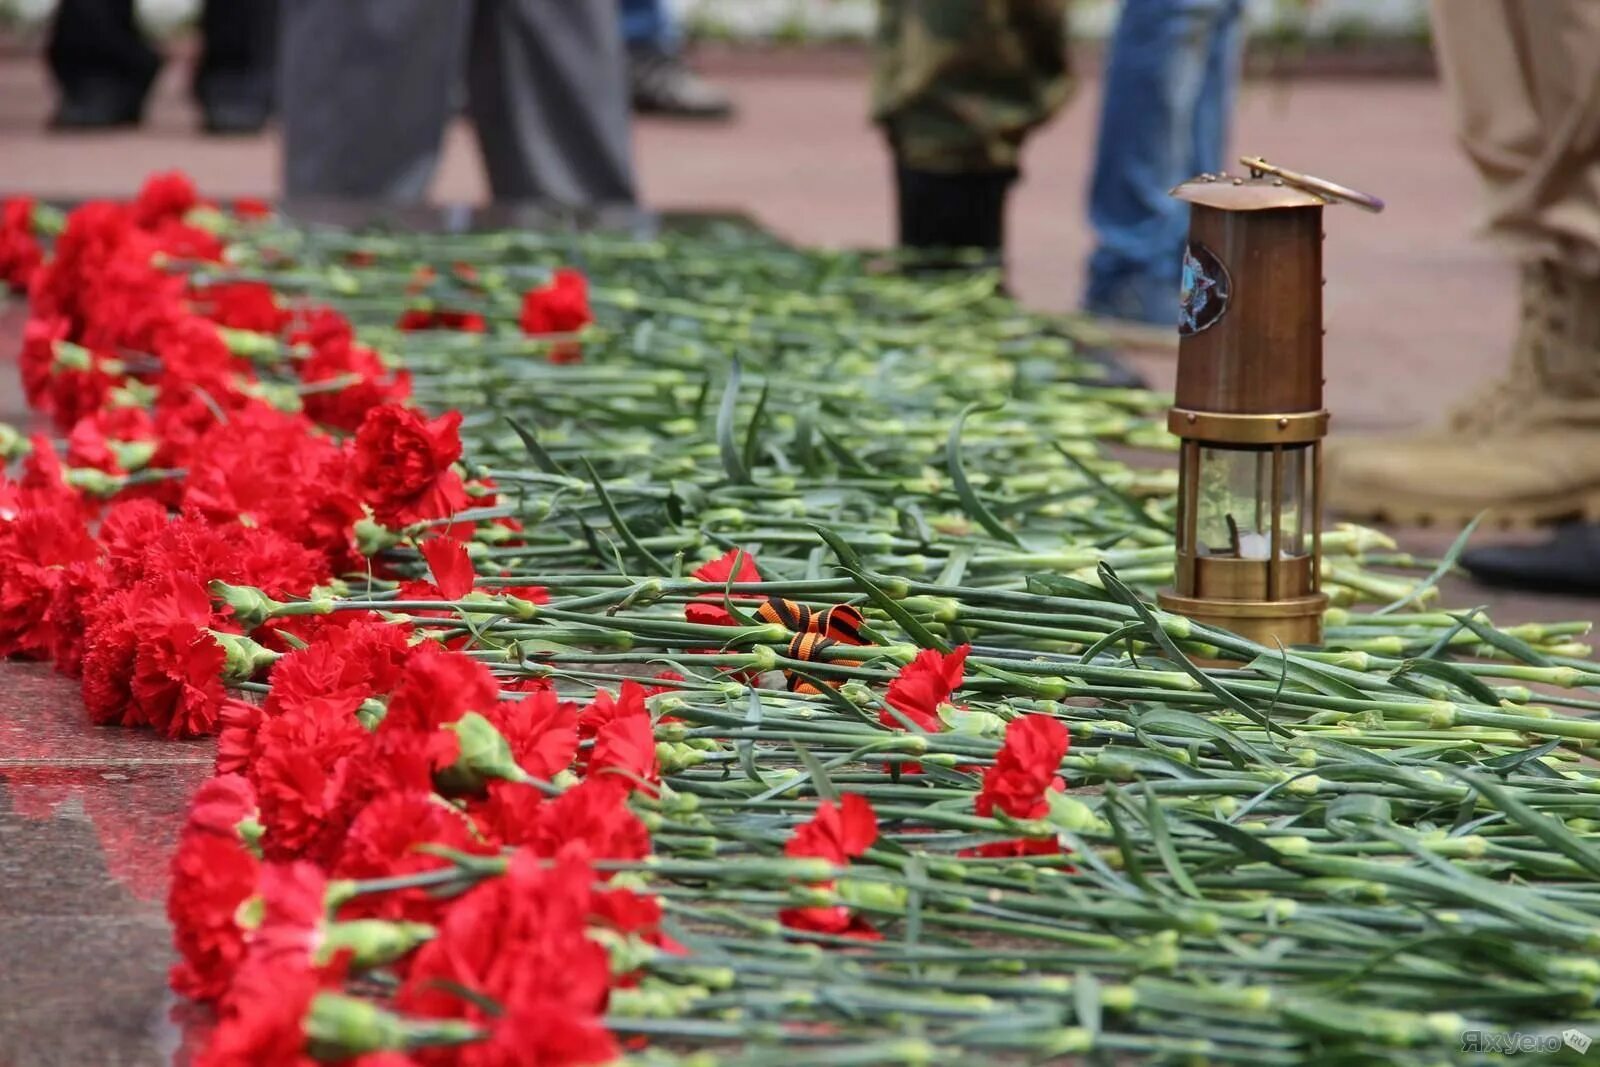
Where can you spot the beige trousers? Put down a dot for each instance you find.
(1524, 76)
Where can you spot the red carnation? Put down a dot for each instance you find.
(541, 730)
(559, 307)
(837, 833)
(1022, 775)
(213, 872)
(298, 771)
(438, 688)
(707, 609)
(450, 566)
(177, 670)
(626, 746)
(383, 842)
(43, 536)
(402, 465)
(164, 196)
(242, 306)
(922, 685)
(415, 319)
(20, 252)
(519, 942)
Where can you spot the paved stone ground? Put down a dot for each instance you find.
(1417, 310)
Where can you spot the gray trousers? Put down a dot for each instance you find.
(367, 87)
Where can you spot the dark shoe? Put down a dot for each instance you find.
(661, 83)
(1567, 563)
(235, 117)
(99, 105)
(961, 210)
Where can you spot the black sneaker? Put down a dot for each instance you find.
(663, 84)
(99, 104)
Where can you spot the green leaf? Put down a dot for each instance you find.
(1110, 492)
(752, 433)
(746, 746)
(1552, 832)
(1086, 1005)
(819, 774)
(618, 525)
(958, 477)
(1157, 821)
(535, 449)
(732, 459)
(1126, 630)
(1446, 565)
(1117, 589)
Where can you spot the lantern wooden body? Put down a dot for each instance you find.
(1249, 411)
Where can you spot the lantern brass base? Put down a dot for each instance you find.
(1296, 621)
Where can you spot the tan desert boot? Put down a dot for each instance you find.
(1525, 448)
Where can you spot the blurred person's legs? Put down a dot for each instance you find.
(660, 81)
(234, 81)
(1525, 81)
(547, 89)
(367, 90)
(101, 62)
(1167, 98)
(104, 66)
(957, 88)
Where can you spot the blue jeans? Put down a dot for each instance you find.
(648, 24)
(1168, 91)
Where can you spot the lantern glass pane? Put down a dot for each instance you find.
(1234, 503)
(1231, 519)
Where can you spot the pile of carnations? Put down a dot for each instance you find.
(565, 713)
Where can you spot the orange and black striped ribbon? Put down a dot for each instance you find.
(814, 631)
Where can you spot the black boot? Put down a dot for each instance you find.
(101, 63)
(234, 80)
(947, 211)
(1567, 563)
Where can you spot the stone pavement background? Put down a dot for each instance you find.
(1417, 310)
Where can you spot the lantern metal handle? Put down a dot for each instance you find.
(1319, 186)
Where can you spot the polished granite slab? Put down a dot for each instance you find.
(88, 820)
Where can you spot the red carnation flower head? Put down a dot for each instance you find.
(417, 319)
(402, 465)
(1020, 780)
(629, 700)
(520, 942)
(177, 669)
(165, 196)
(41, 537)
(707, 609)
(837, 833)
(626, 747)
(20, 252)
(301, 761)
(1025, 768)
(562, 306)
(242, 306)
(213, 872)
(438, 688)
(922, 685)
(383, 841)
(592, 819)
(541, 730)
(450, 566)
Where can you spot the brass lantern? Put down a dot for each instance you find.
(1249, 403)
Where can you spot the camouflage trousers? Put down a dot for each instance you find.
(959, 84)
